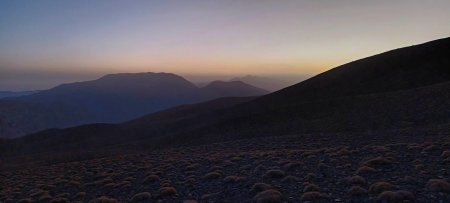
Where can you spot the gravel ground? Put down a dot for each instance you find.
(271, 169)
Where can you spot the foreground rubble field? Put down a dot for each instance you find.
(273, 169)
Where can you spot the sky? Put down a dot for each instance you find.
(44, 43)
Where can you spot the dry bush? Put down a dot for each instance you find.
(311, 188)
(209, 197)
(104, 199)
(438, 185)
(232, 179)
(80, 195)
(322, 166)
(406, 196)
(380, 187)
(310, 177)
(37, 193)
(430, 149)
(314, 196)
(290, 179)
(141, 197)
(193, 167)
(245, 167)
(343, 152)
(236, 159)
(166, 185)
(365, 170)
(357, 191)
(167, 191)
(377, 162)
(59, 200)
(357, 180)
(268, 196)
(151, 179)
(447, 160)
(445, 154)
(215, 168)
(259, 187)
(66, 195)
(27, 200)
(45, 198)
(274, 173)
(387, 196)
(212, 175)
(398, 196)
(292, 166)
(380, 149)
(109, 186)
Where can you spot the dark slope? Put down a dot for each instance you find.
(271, 84)
(150, 128)
(404, 88)
(403, 68)
(308, 104)
(110, 99)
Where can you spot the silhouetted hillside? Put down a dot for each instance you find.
(112, 98)
(371, 81)
(403, 68)
(174, 120)
(399, 89)
(270, 83)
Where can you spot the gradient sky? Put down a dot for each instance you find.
(43, 43)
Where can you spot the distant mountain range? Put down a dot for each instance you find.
(4, 94)
(112, 98)
(406, 88)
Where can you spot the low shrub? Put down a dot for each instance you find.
(274, 173)
(140, 197)
(380, 187)
(314, 196)
(311, 188)
(438, 185)
(167, 191)
(259, 187)
(357, 191)
(151, 179)
(212, 175)
(269, 196)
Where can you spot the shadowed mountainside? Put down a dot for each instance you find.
(4, 94)
(158, 124)
(271, 83)
(403, 88)
(112, 98)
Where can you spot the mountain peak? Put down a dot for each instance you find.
(230, 88)
(141, 75)
(220, 83)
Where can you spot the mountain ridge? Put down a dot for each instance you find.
(112, 98)
(312, 105)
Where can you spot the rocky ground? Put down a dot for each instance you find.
(272, 169)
